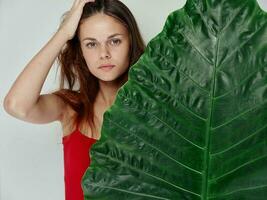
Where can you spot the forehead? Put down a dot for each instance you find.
(101, 26)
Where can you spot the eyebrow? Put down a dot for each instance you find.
(111, 36)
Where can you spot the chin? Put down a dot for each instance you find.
(110, 79)
(107, 79)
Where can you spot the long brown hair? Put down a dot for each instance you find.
(74, 72)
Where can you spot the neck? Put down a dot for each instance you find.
(108, 90)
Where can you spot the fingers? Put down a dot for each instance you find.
(75, 3)
(81, 2)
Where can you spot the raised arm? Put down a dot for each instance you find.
(23, 100)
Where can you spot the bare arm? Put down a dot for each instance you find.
(23, 100)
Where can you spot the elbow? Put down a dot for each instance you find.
(8, 104)
(14, 108)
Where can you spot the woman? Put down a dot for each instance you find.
(95, 45)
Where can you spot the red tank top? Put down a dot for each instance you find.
(76, 148)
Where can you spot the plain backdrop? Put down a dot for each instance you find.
(31, 155)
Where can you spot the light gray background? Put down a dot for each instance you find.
(31, 159)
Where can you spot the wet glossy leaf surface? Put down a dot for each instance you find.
(191, 122)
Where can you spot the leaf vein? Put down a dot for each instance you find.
(157, 149)
(168, 95)
(240, 142)
(241, 82)
(169, 126)
(239, 190)
(184, 74)
(234, 17)
(126, 191)
(241, 46)
(145, 173)
(237, 168)
(239, 115)
(197, 50)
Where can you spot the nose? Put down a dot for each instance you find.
(104, 52)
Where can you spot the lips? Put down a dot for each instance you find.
(106, 67)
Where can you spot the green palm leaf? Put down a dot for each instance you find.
(191, 122)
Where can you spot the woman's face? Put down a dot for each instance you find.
(105, 41)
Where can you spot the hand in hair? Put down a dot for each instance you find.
(72, 18)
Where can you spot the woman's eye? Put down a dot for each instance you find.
(90, 44)
(115, 42)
